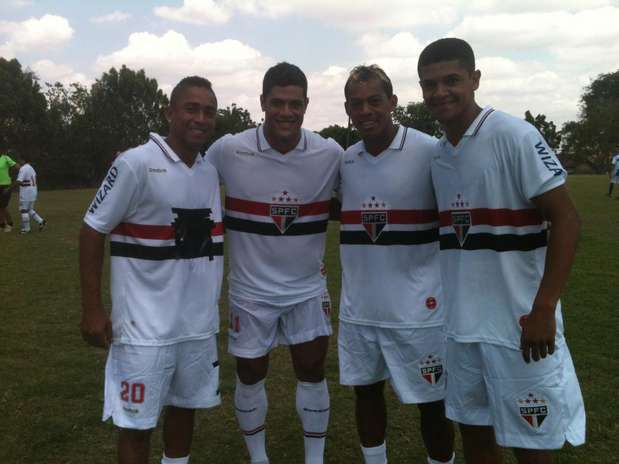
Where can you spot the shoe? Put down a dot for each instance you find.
(24, 232)
(42, 225)
(8, 228)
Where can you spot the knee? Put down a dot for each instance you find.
(434, 409)
(251, 371)
(372, 392)
(134, 436)
(310, 370)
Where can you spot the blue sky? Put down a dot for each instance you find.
(533, 54)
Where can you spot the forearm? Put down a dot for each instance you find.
(560, 253)
(91, 267)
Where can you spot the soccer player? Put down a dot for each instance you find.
(499, 187)
(279, 180)
(391, 307)
(614, 174)
(27, 180)
(6, 187)
(160, 206)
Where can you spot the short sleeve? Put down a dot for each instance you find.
(114, 198)
(214, 156)
(538, 168)
(21, 175)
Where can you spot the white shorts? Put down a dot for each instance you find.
(256, 328)
(614, 179)
(533, 406)
(26, 205)
(140, 380)
(411, 358)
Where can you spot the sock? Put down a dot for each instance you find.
(34, 215)
(610, 189)
(313, 409)
(25, 222)
(375, 454)
(250, 408)
(434, 461)
(167, 460)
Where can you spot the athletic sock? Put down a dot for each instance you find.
(250, 408)
(167, 460)
(25, 222)
(38, 219)
(434, 461)
(375, 454)
(313, 409)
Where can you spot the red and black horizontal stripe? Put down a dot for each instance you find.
(155, 232)
(159, 253)
(264, 209)
(392, 237)
(394, 216)
(496, 242)
(268, 228)
(497, 217)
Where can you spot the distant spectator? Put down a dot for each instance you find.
(614, 173)
(27, 180)
(7, 164)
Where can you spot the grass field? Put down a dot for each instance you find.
(51, 383)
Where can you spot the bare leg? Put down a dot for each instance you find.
(371, 414)
(527, 456)
(133, 446)
(437, 431)
(480, 445)
(178, 431)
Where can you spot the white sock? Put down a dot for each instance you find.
(25, 222)
(375, 454)
(167, 460)
(313, 409)
(34, 215)
(434, 461)
(250, 408)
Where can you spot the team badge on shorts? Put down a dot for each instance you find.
(284, 211)
(374, 217)
(533, 409)
(461, 219)
(326, 304)
(431, 369)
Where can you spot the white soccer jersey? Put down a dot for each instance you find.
(277, 209)
(615, 169)
(165, 272)
(27, 180)
(389, 235)
(492, 238)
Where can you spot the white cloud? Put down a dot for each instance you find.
(195, 12)
(48, 71)
(35, 34)
(114, 17)
(18, 3)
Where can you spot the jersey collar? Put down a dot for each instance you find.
(168, 151)
(396, 144)
(475, 126)
(263, 145)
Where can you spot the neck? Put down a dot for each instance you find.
(454, 130)
(282, 145)
(186, 154)
(375, 146)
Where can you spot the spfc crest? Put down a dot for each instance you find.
(533, 410)
(283, 215)
(431, 369)
(374, 222)
(461, 222)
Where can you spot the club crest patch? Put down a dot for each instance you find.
(431, 369)
(534, 409)
(284, 210)
(374, 217)
(460, 218)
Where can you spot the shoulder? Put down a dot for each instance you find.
(316, 141)
(505, 126)
(416, 138)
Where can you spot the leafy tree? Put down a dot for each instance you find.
(342, 135)
(232, 120)
(595, 136)
(416, 115)
(546, 128)
(22, 108)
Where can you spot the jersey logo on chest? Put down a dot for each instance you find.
(284, 210)
(374, 217)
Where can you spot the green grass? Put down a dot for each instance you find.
(51, 383)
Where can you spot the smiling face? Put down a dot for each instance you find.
(284, 108)
(449, 92)
(370, 110)
(192, 121)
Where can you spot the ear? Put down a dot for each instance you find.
(306, 102)
(346, 108)
(168, 114)
(262, 102)
(394, 101)
(476, 78)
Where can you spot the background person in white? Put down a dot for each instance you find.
(391, 308)
(279, 181)
(497, 185)
(614, 174)
(27, 180)
(160, 205)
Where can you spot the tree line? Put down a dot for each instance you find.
(71, 133)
